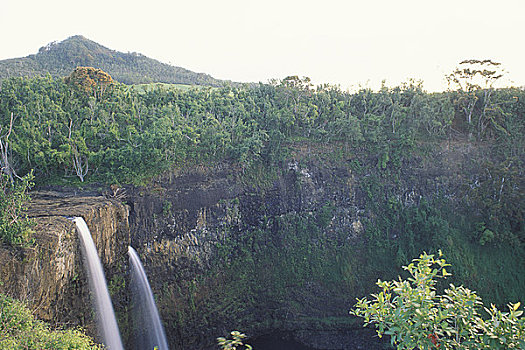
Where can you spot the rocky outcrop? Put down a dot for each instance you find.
(49, 276)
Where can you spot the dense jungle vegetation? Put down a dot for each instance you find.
(88, 128)
(97, 130)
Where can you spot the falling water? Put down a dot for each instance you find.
(150, 332)
(97, 282)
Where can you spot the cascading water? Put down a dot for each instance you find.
(97, 282)
(149, 330)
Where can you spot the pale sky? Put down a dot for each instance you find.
(349, 43)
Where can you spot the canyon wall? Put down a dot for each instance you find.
(284, 249)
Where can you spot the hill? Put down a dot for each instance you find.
(59, 59)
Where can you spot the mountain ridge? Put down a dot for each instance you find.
(61, 58)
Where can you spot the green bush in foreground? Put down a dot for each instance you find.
(415, 316)
(20, 330)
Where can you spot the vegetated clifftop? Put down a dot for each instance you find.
(59, 59)
(50, 275)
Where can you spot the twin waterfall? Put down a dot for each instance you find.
(149, 330)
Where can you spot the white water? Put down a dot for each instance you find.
(150, 332)
(97, 282)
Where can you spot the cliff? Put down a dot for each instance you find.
(290, 248)
(50, 276)
(286, 249)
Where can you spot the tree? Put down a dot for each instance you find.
(475, 74)
(5, 163)
(90, 80)
(415, 316)
(295, 94)
(433, 113)
(80, 163)
(15, 226)
(472, 77)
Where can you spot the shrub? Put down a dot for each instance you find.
(415, 316)
(20, 330)
(235, 343)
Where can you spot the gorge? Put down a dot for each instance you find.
(222, 254)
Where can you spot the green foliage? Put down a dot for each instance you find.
(166, 208)
(233, 343)
(20, 330)
(498, 203)
(121, 135)
(414, 315)
(481, 219)
(15, 226)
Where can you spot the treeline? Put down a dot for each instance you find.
(117, 134)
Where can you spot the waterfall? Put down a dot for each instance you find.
(149, 330)
(97, 282)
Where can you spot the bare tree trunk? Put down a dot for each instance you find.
(70, 127)
(5, 165)
(80, 165)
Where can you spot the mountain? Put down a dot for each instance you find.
(60, 58)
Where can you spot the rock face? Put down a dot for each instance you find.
(179, 223)
(50, 276)
(300, 229)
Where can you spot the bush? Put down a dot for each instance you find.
(20, 330)
(415, 316)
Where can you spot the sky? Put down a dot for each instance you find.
(348, 43)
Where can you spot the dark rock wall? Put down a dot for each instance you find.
(178, 223)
